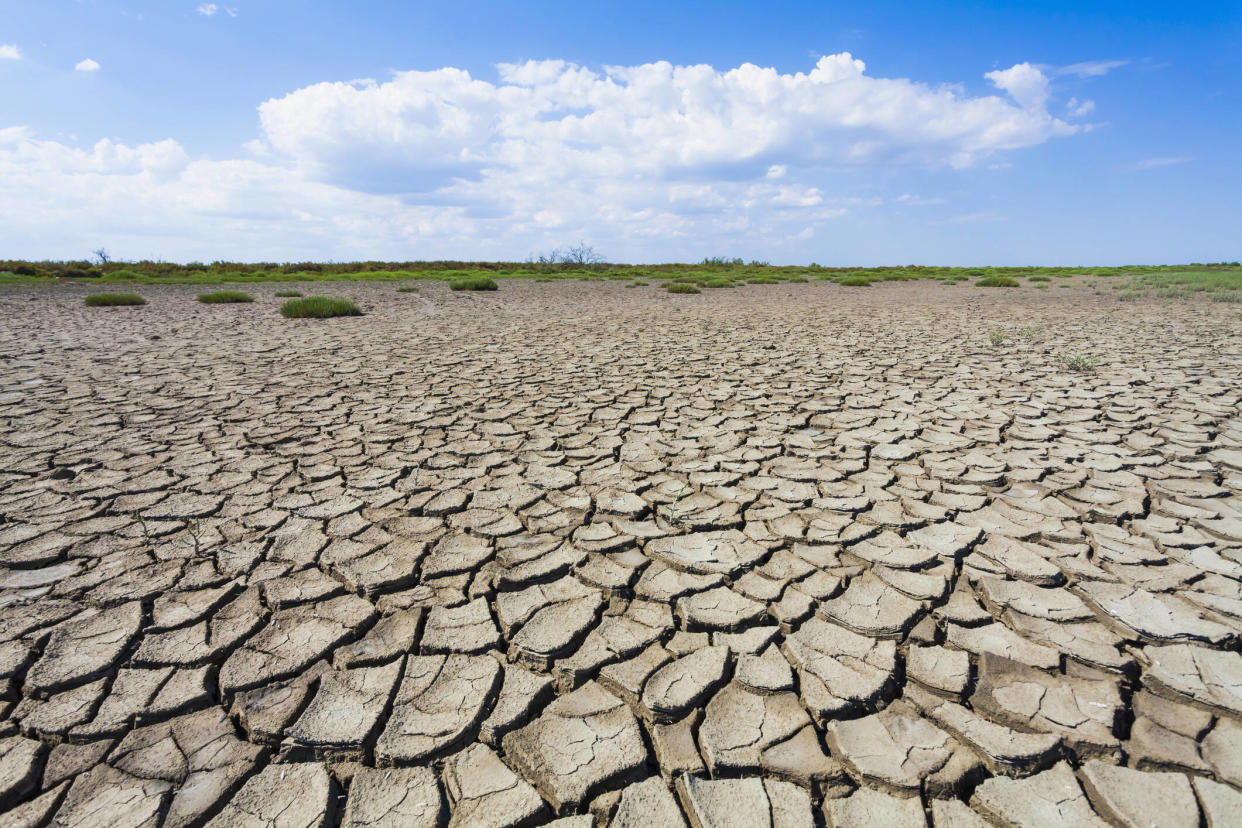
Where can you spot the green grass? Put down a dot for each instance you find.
(997, 337)
(997, 281)
(474, 283)
(854, 280)
(407, 289)
(107, 300)
(285, 293)
(318, 307)
(224, 297)
(682, 287)
(1077, 361)
(718, 283)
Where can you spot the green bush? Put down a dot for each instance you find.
(682, 287)
(997, 281)
(224, 297)
(855, 280)
(1039, 277)
(718, 283)
(106, 300)
(799, 279)
(318, 307)
(284, 293)
(474, 283)
(763, 280)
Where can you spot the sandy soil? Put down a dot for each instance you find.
(780, 555)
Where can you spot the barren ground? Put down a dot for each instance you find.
(780, 555)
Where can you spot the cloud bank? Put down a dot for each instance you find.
(433, 163)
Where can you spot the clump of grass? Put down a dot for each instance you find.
(763, 280)
(1039, 277)
(997, 337)
(107, 300)
(855, 280)
(1031, 332)
(224, 297)
(997, 281)
(318, 307)
(801, 279)
(474, 283)
(407, 289)
(286, 293)
(682, 287)
(1077, 360)
(719, 283)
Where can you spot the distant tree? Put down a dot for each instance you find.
(583, 255)
(101, 256)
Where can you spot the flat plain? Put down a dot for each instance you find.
(778, 555)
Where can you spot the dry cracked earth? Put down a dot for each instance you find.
(783, 555)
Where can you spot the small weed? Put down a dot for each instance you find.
(997, 281)
(146, 532)
(670, 511)
(1031, 333)
(407, 289)
(997, 337)
(224, 297)
(474, 283)
(318, 307)
(287, 293)
(682, 287)
(1077, 361)
(107, 300)
(639, 283)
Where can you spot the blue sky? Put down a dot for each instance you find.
(842, 133)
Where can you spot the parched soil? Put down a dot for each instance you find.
(779, 555)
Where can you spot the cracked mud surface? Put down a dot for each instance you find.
(781, 555)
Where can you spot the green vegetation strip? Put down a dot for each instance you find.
(474, 283)
(318, 307)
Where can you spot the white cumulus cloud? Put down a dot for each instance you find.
(10, 52)
(88, 65)
(440, 163)
(207, 9)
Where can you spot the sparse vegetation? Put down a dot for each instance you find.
(854, 280)
(107, 300)
(718, 283)
(407, 289)
(318, 307)
(997, 337)
(474, 283)
(1031, 333)
(1077, 360)
(224, 297)
(287, 293)
(682, 287)
(997, 281)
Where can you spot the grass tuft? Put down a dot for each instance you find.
(474, 283)
(286, 293)
(224, 297)
(1077, 361)
(107, 300)
(318, 307)
(682, 287)
(997, 337)
(997, 281)
(855, 280)
(407, 289)
(718, 283)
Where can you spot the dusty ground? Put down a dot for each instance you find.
(778, 555)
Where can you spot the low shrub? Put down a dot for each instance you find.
(1077, 361)
(855, 280)
(718, 283)
(107, 300)
(224, 297)
(997, 281)
(474, 283)
(285, 293)
(407, 289)
(682, 287)
(318, 307)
